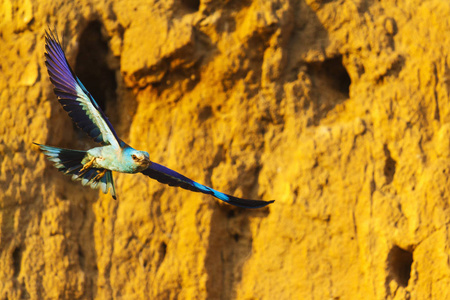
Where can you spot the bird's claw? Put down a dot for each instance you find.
(86, 167)
(99, 175)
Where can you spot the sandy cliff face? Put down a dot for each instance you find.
(339, 110)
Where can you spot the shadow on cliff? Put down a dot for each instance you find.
(15, 224)
(230, 246)
(231, 238)
(98, 70)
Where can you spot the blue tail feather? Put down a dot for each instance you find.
(69, 162)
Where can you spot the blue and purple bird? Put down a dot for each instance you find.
(94, 167)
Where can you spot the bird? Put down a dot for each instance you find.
(94, 167)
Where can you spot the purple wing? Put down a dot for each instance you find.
(74, 97)
(172, 178)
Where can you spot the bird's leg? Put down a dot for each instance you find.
(86, 167)
(99, 175)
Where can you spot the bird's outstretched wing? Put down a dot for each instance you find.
(74, 97)
(172, 178)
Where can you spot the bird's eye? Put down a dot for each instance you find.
(134, 157)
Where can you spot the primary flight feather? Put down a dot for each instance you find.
(94, 167)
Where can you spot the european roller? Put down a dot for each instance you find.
(94, 167)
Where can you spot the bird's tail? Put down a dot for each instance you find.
(70, 163)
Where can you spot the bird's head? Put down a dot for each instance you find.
(139, 159)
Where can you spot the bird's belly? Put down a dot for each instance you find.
(108, 158)
(113, 165)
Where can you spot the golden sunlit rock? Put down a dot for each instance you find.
(338, 110)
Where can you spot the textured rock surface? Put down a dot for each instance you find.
(339, 110)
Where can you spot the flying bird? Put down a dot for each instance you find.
(94, 167)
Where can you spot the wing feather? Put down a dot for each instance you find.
(172, 178)
(74, 97)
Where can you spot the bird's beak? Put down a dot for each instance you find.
(146, 161)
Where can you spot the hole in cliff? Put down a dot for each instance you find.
(81, 258)
(399, 263)
(339, 78)
(17, 260)
(191, 4)
(162, 251)
(389, 166)
(205, 113)
(333, 73)
(92, 67)
(236, 237)
(330, 86)
(231, 214)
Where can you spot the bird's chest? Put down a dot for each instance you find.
(119, 166)
(111, 159)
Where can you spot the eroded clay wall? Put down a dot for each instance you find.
(339, 110)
